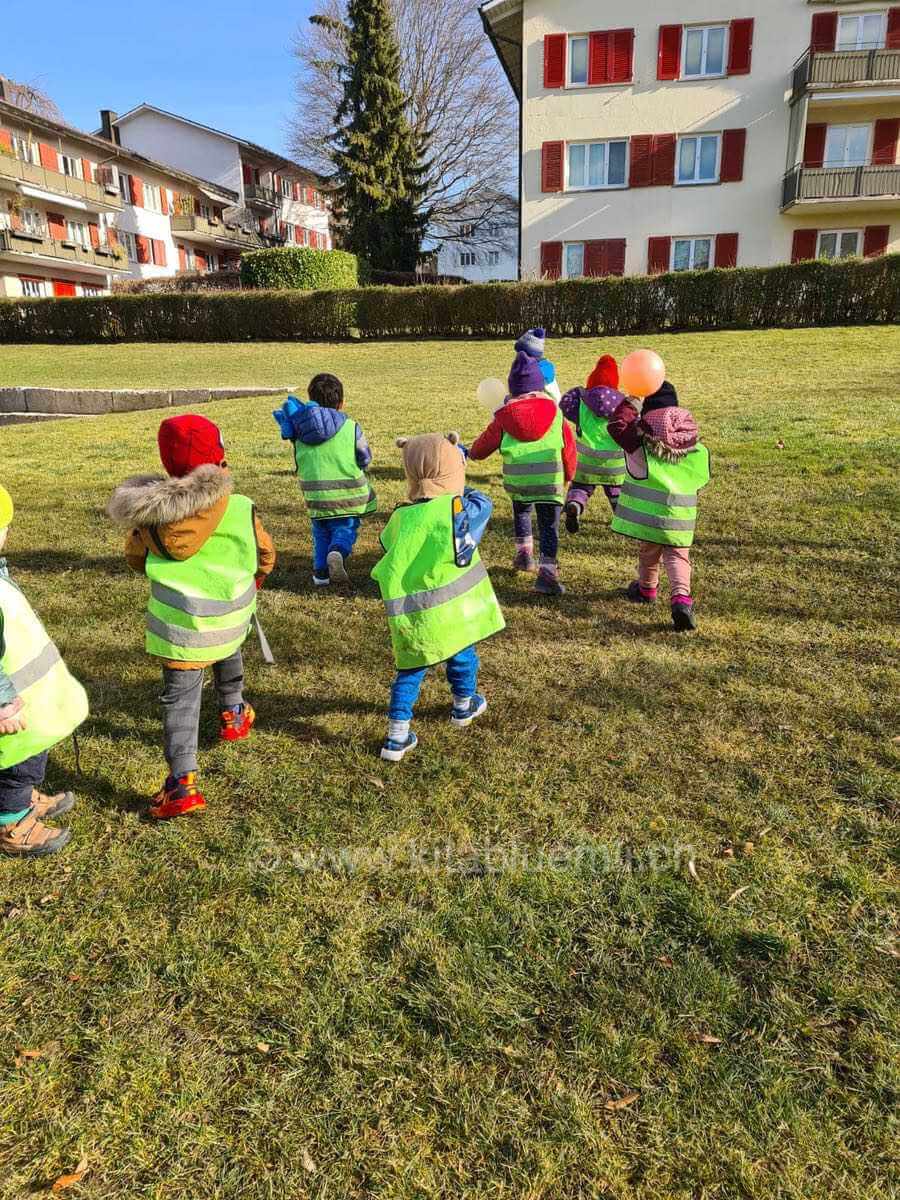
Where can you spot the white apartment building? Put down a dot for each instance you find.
(481, 248)
(276, 198)
(665, 135)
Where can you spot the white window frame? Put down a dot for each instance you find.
(152, 197)
(71, 166)
(468, 258)
(125, 185)
(837, 234)
(493, 258)
(695, 182)
(704, 30)
(129, 244)
(189, 260)
(598, 187)
(693, 239)
(34, 287)
(26, 149)
(286, 187)
(33, 222)
(570, 58)
(565, 260)
(860, 45)
(870, 134)
(79, 233)
(90, 289)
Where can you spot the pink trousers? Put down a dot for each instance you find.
(676, 560)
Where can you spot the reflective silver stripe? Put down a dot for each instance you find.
(586, 469)
(177, 635)
(641, 518)
(535, 489)
(590, 452)
(669, 499)
(41, 665)
(333, 485)
(422, 601)
(200, 607)
(547, 467)
(343, 502)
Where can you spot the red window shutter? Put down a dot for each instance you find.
(200, 261)
(804, 246)
(615, 260)
(734, 142)
(824, 31)
(112, 238)
(659, 254)
(247, 173)
(56, 224)
(668, 65)
(6, 140)
(159, 252)
(663, 157)
(143, 249)
(893, 29)
(182, 259)
(62, 287)
(814, 146)
(87, 170)
(282, 229)
(551, 260)
(137, 191)
(641, 170)
(621, 56)
(298, 191)
(595, 258)
(555, 60)
(15, 220)
(875, 240)
(49, 157)
(164, 201)
(94, 231)
(298, 234)
(598, 58)
(884, 149)
(740, 50)
(552, 172)
(726, 250)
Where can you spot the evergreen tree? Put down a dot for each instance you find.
(380, 172)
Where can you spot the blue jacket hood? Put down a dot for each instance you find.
(314, 425)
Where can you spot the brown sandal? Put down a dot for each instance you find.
(28, 838)
(48, 808)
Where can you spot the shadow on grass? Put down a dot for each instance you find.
(54, 561)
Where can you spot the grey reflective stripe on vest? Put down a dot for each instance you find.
(420, 601)
(35, 670)
(333, 485)
(623, 513)
(669, 499)
(547, 467)
(341, 502)
(590, 452)
(197, 606)
(177, 635)
(536, 489)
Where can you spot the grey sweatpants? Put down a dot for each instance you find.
(182, 694)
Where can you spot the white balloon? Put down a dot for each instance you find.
(491, 393)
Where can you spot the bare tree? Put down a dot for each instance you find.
(459, 100)
(31, 98)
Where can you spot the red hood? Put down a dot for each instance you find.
(527, 418)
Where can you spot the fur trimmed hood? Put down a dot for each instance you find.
(145, 500)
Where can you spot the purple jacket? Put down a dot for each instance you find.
(602, 401)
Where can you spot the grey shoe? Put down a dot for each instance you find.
(548, 584)
(337, 572)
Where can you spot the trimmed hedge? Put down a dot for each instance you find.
(852, 292)
(299, 267)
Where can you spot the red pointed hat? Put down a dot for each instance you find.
(189, 441)
(605, 374)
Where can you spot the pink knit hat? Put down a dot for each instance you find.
(674, 428)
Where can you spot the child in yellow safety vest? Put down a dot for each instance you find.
(436, 591)
(205, 552)
(40, 705)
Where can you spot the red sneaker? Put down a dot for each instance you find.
(235, 726)
(177, 797)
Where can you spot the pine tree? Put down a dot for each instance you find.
(380, 172)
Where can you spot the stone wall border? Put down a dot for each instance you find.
(78, 402)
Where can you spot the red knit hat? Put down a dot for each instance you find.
(605, 374)
(189, 441)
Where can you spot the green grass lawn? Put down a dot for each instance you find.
(490, 972)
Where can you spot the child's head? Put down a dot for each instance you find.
(327, 391)
(6, 514)
(532, 343)
(434, 465)
(605, 373)
(188, 442)
(670, 433)
(526, 376)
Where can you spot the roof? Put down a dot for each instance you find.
(252, 147)
(110, 149)
(502, 21)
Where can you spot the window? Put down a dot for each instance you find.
(89, 289)
(493, 258)
(704, 51)
(493, 229)
(847, 145)
(71, 166)
(152, 198)
(691, 254)
(188, 252)
(78, 232)
(578, 61)
(573, 260)
(468, 258)
(125, 186)
(33, 287)
(838, 243)
(596, 164)
(286, 188)
(466, 231)
(863, 32)
(698, 158)
(130, 244)
(32, 222)
(26, 149)
(289, 233)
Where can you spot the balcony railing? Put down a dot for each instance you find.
(840, 183)
(217, 231)
(16, 241)
(819, 70)
(262, 195)
(64, 185)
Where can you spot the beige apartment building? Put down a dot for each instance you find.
(665, 135)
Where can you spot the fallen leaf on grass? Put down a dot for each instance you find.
(747, 848)
(307, 1160)
(738, 892)
(891, 950)
(25, 1056)
(375, 782)
(263, 1047)
(692, 871)
(705, 1039)
(665, 961)
(780, 444)
(49, 899)
(622, 1102)
(73, 1177)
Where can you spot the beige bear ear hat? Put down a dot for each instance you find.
(434, 465)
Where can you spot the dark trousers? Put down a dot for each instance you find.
(548, 526)
(18, 782)
(182, 694)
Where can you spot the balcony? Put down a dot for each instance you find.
(838, 189)
(98, 195)
(39, 245)
(255, 193)
(823, 71)
(216, 233)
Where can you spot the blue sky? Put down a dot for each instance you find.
(225, 63)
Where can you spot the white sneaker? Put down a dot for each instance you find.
(337, 572)
(320, 582)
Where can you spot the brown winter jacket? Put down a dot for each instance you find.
(173, 517)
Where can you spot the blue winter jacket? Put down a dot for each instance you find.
(312, 425)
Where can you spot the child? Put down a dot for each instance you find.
(539, 460)
(600, 460)
(332, 456)
(40, 704)
(666, 467)
(533, 343)
(436, 591)
(205, 552)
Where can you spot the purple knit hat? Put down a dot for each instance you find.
(525, 376)
(674, 428)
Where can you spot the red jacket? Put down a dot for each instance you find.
(527, 418)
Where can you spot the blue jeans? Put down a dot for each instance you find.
(462, 675)
(16, 784)
(332, 533)
(548, 526)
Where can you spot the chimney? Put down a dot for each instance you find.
(2, 88)
(108, 128)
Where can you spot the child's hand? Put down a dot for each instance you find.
(10, 720)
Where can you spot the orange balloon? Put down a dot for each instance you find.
(642, 373)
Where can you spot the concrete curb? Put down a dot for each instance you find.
(73, 402)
